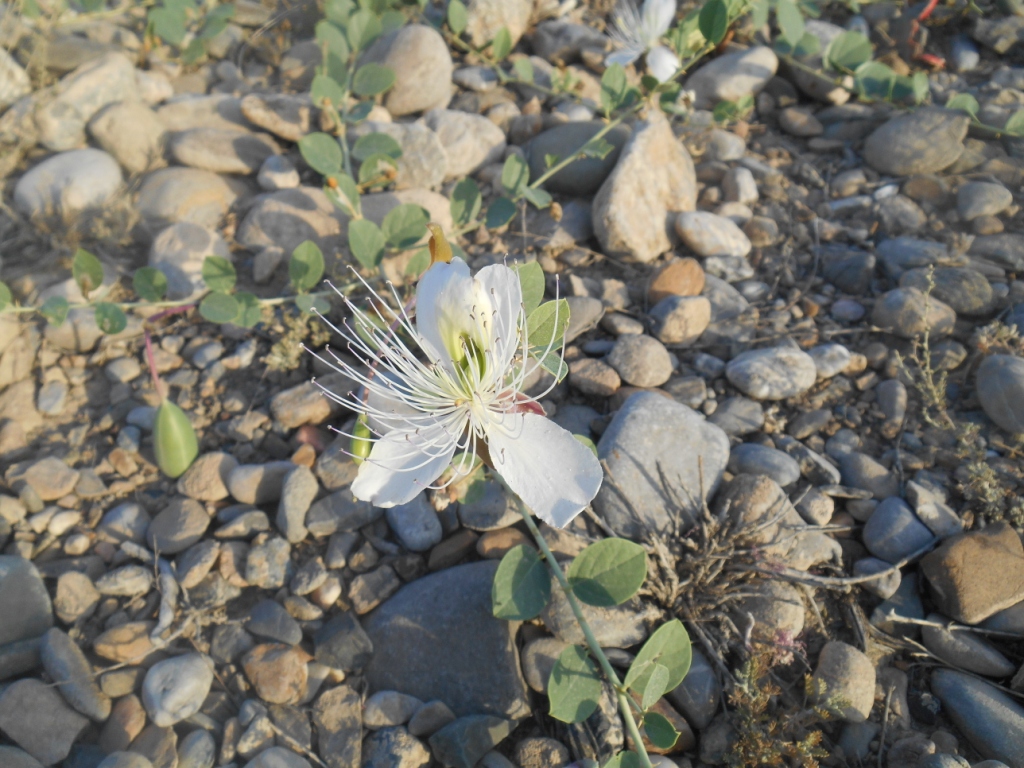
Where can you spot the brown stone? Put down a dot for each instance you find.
(126, 721)
(452, 550)
(680, 277)
(977, 574)
(338, 717)
(494, 544)
(278, 672)
(593, 377)
(127, 642)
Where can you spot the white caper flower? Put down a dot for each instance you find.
(639, 31)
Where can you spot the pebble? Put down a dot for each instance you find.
(738, 416)
(171, 195)
(470, 141)
(754, 459)
(776, 608)
(277, 757)
(36, 718)
(861, 471)
(707, 234)
(24, 600)
(800, 122)
(430, 718)
(394, 748)
(982, 198)
(197, 750)
(732, 76)
(51, 398)
(1000, 389)
(641, 361)
(964, 53)
(925, 140)
(680, 320)
(493, 509)
(965, 650)
(179, 252)
(220, 150)
(277, 172)
(132, 134)
(884, 586)
(258, 483)
(464, 741)
(845, 675)
(268, 564)
(50, 477)
(286, 116)
(298, 491)
(966, 291)
(908, 313)
(76, 597)
(541, 752)
(830, 359)
(179, 525)
(126, 581)
(423, 162)
(894, 532)
(738, 186)
(582, 177)
(386, 709)
(207, 477)
(774, 373)
(699, 695)
(67, 666)
(990, 719)
(419, 57)
(277, 672)
(270, 621)
(175, 688)
(415, 525)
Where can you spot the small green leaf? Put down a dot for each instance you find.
(359, 112)
(597, 148)
(546, 325)
(306, 266)
(608, 572)
(372, 79)
(531, 282)
(964, 102)
(55, 310)
(219, 274)
(323, 89)
(418, 264)
(219, 307)
(500, 213)
(613, 88)
(790, 20)
(307, 303)
(150, 283)
(874, 80)
(338, 11)
(378, 169)
(537, 197)
(457, 17)
(574, 688)
(375, 143)
(405, 225)
(501, 46)
(668, 648)
(660, 731)
(523, 69)
(321, 152)
(194, 52)
(551, 362)
(847, 51)
(392, 20)
(713, 21)
(366, 242)
(550, 161)
(168, 24)
(625, 760)
(759, 16)
(656, 687)
(1015, 125)
(515, 175)
(174, 440)
(522, 585)
(110, 318)
(5, 296)
(87, 271)
(329, 34)
(919, 87)
(363, 28)
(465, 202)
(249, 310)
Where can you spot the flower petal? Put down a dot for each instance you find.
(501, 287)
(662, 63)
(444, 292)
(402, 464)
(551, 471)
(625, 57)
(385, 410)
(657, 18)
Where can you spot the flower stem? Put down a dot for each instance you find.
(588, 634)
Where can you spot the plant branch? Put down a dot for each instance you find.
(595, 648)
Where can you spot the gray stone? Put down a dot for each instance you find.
(738, 416)
(925, 140)
(774, 373)
(653, 180)
(125, 522)
(415, 525)
(829, 359)
(485, 18)
(732, 76)
(437, 639)
(754, 459)
(462, 743)
(424, 161)
(67, 666)
(906, 603)
(470, 141)
(170, 195)
(34, 716)
(1006, 250)
(179, 252)
(175, 688)
(777, 610)
(297, 493)
(1000, 388)
(178, 526)
(270, 621)
(340, 512)
(125, 760)
(965, 650)
(966, 291)
(419, 57)
(269, 564)
(76, 597)
(132, 133)
(278, 172)
(709, 235)
(207, 477)
(394, 747)
(991, 720)
(699, 695)
(982, 198)
(197, 750)
(495, 509)
(680, 320)
(68, 184)
(342, 643)
(653, 437)
(222, 151)
(389, 708)
(861, 471)
(844, 682)
(884, 586)
(23, 600)
(641, 361)
(582, 177)
(284, 115)
(259, 483)
(894, 532)
(278, 757)
(430, 718)
(337, 716)
(287, 218)
(217, 110)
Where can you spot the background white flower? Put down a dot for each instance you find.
(640, 31)
(466, 396)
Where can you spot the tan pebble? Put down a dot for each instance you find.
(494, 544)
(681, 277)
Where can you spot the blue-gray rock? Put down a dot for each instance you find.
(582, 177)
(894, 532)
(926, 140)
(462, 743)
(420, 59)
(24, 601)
(340, 511)
(942, 760)
(849, 270)
(12, 757)
(902, 253)
(991, 720)
(1007, 620)
(268, 619)
(1000, 385)
(829, 359)
(650, 438)
(982, 198)
(415, 525)
(197, 750)
(175, 688)
(125, 522)
(342, 643)
(754, 459)
(297, 493)
(726, 302)
(861, 471)
(493, 509)
(964, 53)
(774, 373)
(700, 693)
(884, 586)
(909, 312)
(35, 717)
(436, 638)
(124, 760)
(965, 650)
(906, 602)
(1006, 250)
(67, 666)
(738, 416)
(966, 291)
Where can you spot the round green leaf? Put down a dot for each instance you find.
(669, 648)
(249, 310)
(964, 102)
(547, 324)
(574, 688)
(329, 34)
(501, 46)
(515, 175)
(308, 303)
(608, 572)
(366, 242)
(372, 79)
(150, 283)
(465, 202)
(219, 308)
(713, 21)
(656, 688)
(538, 198)
(174, 440)
(660, 730)
(110, 318)
(848, 51)
(625, 760)
(362, 28)
(55, 310)
(87, 271)
(321, 152)
(306, 266)
(375, 143)
(218, 273)
(5, 296)
(418, 264)
(531, 282)
(168, 24)
(613, 88)
(1015, 125)
(405, 225)
(324, 88)
(790, 20)
(524, 70)
(378, 168)
(457, 17)
(874, 80)
(522, 585)
(500, 213)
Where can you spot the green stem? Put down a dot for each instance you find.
(575, 155)
(588, 634)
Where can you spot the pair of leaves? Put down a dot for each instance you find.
(402, 227)
(221, 305)
(515, 180)
(662, 663)
(847, 52)
(875, 80)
